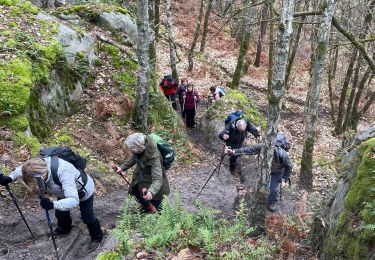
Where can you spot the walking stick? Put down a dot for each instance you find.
(19, 210)
(114, 167)
(217, 168)
(42, 190)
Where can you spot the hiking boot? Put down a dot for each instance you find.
(60, 232)
(93, 245)
(272, 206)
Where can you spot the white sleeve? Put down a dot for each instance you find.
(69, 188)
(16, 174)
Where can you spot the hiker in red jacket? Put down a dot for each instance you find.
(190, 100)
(168, 86)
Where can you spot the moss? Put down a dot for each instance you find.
(6, 2)
(348, 238)
(232, 101)
(32, 143)
(16, 123)
(111, 255)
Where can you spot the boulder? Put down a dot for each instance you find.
(120, 23)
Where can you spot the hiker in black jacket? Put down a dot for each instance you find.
(234, 135)
(280, 170)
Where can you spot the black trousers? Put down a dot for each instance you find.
(172, 99)
(137, 193)
(190, 116)
(64, 221)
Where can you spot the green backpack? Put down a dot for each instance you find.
(166, 151)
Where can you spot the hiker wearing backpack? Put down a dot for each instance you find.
(71, 191)
(280, 170)
(168, 86)
(180, 93)
(149, 183)
(215, 94)
(190, 102)
(234, 134)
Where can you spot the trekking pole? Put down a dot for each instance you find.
(42, 190)
(19, 210)
(216, 168)
(114, 167)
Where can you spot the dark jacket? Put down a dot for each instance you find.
(149, 172)
(236, 138)
(168, 88)
(189, 101)
(180, 92)
(280, 161)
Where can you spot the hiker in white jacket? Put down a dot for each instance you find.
(72, 192)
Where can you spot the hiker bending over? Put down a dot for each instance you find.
(215, 94)
(168, 86)
(70, 194)
(149, 182)
(234, 135)
(180, 93)
(280, 170)
(190, 102)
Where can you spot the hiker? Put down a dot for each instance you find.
(280, 170)
(215, 94)
(282, 141)
(70, 194)
(190, 101)
(180, 91)
(168, 86)
(149, 182)
(234, 135)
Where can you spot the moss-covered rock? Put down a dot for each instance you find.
(347, 219)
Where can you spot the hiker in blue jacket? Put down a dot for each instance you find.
(280, 170)
(234, 135)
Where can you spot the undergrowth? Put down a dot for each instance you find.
(174, 229)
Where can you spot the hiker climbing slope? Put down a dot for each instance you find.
(71, 191)
(169, 86)
(234, 134)
(180, 92)
(149, 182)
(190, 102)
(280, 170)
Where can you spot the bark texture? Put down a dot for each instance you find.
(314, 93)
(196, 35)
(205, 25)
(172, 45)
(262, 33)
(275, 96)
(142, 100)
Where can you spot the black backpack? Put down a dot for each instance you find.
(68, 155)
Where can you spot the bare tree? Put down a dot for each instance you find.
(262, 33)
(172, 45)
(317, 70)
(205, 25)
(142, 101)
(275, 96)
(157, 19)
(244, 46)
(196, 35)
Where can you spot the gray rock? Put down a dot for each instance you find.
(118, 22)
(211, 130)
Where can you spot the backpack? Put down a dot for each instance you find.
(233, 116)
(221, 92)
(66, 154)
(166, 151)
(282, 141)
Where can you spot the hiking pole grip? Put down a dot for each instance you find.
(42, 190)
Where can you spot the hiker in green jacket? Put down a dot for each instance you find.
(149, 182)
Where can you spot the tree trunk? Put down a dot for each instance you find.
(331, 76)
(142, 100)
(275, 96)
(152, 47)
(196, 35)
(244, 47)
(262, 33)
(314, 93)
(172, 45)
(344, 90)
(271, 37)
(205, 25)
(157, 19)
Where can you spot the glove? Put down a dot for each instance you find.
(5, 180)
(46, 203)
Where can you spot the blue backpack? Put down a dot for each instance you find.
(221, 92)
(233, 116)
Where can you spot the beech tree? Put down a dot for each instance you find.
(172, 45)
(205, 25)
(317, 70)
(275, 96)
(142, 100)
(196, 35)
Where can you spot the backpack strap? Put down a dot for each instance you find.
(54, 167)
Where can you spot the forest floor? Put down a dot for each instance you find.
(222, 192)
